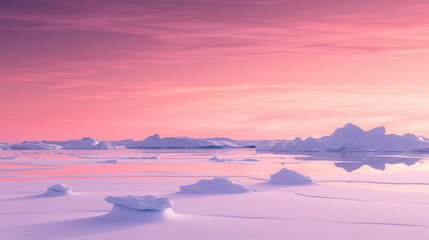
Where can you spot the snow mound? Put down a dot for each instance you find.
(216, 185)
(289, 177)
(148, 202)
(58, 190)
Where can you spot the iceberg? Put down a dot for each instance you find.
(110, 161)
(289, 177)
(352, 138)
(4, 146)
(154, 157)
(156, 141)
(250, 160)
(148, 202)
(218, 185)
(34, 146)
(84, 143)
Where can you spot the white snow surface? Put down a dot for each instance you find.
(289, 177)
(148, 202)
(352, 138)
(216, 185)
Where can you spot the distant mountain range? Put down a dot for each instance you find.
(349, 138)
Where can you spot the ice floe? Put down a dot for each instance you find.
(216, 185)
(250, 160)
(110, 161)
(289, 177)
(151, 157)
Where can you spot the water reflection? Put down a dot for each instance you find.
(352, 161)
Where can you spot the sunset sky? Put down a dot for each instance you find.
(246, 69)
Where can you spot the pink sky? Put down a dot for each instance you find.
(203, 68)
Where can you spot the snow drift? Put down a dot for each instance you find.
(289, 177)
(352, 138)
(218, 185)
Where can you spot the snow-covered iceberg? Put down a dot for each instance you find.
(84, 143)
(59, 189)
(156, 141)
(110, 161)
(152, 157)
(4, 146)
(289, 177)
(352, 138)
(33, 146)
(218, 185)
(148, 202)
(216, 159)
(250, 160)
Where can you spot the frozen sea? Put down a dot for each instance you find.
(354, 195)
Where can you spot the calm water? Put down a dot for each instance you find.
(236, 163)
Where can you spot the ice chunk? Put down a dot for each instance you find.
(154, 157)
(289, 177)
(148, 202)
(250, 160)
(4, 146)
(217, 185)
(60, 188)
(109, 161)
(216, 159)
(11, 157)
